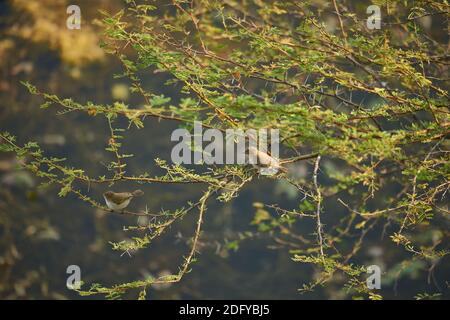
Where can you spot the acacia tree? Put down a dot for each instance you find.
(374, 102)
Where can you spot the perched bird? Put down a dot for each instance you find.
(265, 163)
(120, 200)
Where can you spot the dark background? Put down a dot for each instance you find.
(41, 234)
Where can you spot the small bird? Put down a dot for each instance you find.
(120, 200)
(266, 164)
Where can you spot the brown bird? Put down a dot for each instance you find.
(265, 163)
(120, 200)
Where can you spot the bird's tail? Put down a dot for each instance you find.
(282, 169)
(137, 193)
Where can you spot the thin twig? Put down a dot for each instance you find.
(319, 203)
(341, 24)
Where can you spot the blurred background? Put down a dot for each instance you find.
(41, 234)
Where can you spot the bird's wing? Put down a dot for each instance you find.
(264, 159)
(119, 198)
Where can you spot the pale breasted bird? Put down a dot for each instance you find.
(265, 163)
(117, 201)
